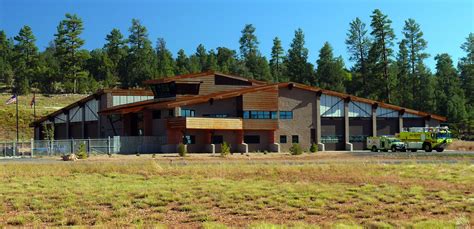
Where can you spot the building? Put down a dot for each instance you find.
(206, 109)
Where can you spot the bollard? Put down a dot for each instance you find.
(108, 145)
(32, 147)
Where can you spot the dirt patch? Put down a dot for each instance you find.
(462, 145)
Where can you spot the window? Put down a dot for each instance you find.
(216, 115)
(217, 139)
(295, 139)
(171, 112)
(187, 113)
(286, 114)
(259, 115)
(189, 139)
(283, 139)
(252, 139)
(156, 114)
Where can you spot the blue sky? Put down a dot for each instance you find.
(187, 23)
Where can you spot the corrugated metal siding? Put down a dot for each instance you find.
(358, 109)
(60, 118)
(91, 110)
(408, 115)
(386, 113)
(75, 114)
(126, 99)
(331, 106)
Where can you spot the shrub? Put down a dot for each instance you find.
(182, 150)
(295, 149)
(225, 149)
(313, 148)
(81, 152)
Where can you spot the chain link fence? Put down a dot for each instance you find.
(112, 145)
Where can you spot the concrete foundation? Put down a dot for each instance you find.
(349, 146)
(274, 147)
(243, 148)
(321, 147)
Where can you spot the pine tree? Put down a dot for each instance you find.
(403, 95)
(165, 67)
(330, 72)
(25, 60)
(211, 60)
(116, 49)
(450, 97)
(358, 45)
(256, 66)
(101, 68)
(276, 62)
(182, 63)
(297, 67)
(379, 56)
(6, 50)
(68, 45)
(139, 65)
(227, 60)
(201, 54)
(413, 37)
(466, 68)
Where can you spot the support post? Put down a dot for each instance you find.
(318, 121)
(108, 145)
(83, 122)
(72, 146)
(346, 124)
(374, 120)
(400, 120)
(99, 121)
(68, 125)
(147, 123)
(32, 147)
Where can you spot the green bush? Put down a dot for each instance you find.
(182, 150)
(295, 149)
(313, 148)
(81, 152)
(225, 149)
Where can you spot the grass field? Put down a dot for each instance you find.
(44, 105)
(263, 191)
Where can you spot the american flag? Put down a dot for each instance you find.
(11, 100)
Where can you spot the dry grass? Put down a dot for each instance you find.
(462, 145)
(235, 192)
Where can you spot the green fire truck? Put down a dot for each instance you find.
(385, 143)
(425, 138)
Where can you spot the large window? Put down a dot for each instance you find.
(286, 114)
(283, 139)
(189, 139)
(187, 113)
(252, 139)
(295, 139)
(164, 90)
(260, 115)
(217, 139)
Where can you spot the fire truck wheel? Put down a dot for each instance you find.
(394, 149)
(374, 149)
(427, 147)
(439, 150)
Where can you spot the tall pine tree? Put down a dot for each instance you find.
(466, 68)
(182, 63)
(25, 60)
(68, 44)
(358, 45)
(276, 62)
(139, 65)
(381, 82)
(165, 62)
(330, 73)
(297, 67)
(116, 49)
(6, 51)
(450, 97)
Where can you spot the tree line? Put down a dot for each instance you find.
(377, 73)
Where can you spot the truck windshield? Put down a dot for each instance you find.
(443, 135)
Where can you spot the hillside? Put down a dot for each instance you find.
(44, 105)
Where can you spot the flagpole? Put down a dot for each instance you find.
(17, 134)
(34, 106)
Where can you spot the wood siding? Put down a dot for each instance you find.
(260, 124)
(265, 100)
(205, 123)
